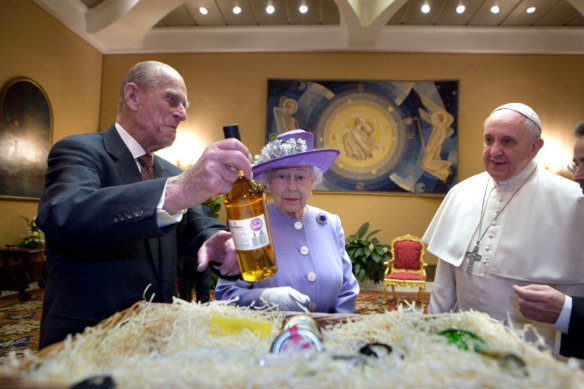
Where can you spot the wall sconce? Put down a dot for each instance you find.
(555, 156)
(185, 151)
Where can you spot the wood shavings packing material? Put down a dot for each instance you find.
(171, 346)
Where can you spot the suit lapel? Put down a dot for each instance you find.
(121, 156)
(129, 173)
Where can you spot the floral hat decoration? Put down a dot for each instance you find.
(293, 148)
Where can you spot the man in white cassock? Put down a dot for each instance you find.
(515, 224)
(546, 304)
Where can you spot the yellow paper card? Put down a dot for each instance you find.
(221, 325)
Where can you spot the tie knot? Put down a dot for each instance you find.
(146, 162)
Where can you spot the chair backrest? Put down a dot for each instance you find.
(408, 251)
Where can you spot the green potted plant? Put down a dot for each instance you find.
(214, 205)
(367, 254)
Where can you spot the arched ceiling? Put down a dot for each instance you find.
(158, 26)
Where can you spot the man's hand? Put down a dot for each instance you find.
(213, 174)
(540, 302)
(219, 248)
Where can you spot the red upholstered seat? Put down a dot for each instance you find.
(405, 276)
(407, 267)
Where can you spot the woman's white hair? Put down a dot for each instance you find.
(266, 176)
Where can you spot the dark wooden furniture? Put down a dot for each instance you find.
(19, 267)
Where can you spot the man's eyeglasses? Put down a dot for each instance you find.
(574, 166)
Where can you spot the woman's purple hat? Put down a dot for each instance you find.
(293, 148)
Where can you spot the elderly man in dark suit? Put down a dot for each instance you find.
(546, 304)
(116, 222)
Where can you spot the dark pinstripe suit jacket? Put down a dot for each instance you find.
(573, 343)
(104, 248)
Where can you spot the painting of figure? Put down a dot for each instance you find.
(25, 139)
(394, 136)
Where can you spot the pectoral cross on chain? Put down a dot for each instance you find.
(472, 257)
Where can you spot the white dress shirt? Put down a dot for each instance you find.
(163, 218)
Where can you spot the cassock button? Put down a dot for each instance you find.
(298, 225)
(304, 250)
(312, 307)
(311, 277)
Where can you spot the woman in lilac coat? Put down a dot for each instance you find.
(314, 270)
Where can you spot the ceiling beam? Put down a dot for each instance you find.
(107, 13)
(326, 38)
(364, 22)
(578, 5)
(126, 31)
(482, 40)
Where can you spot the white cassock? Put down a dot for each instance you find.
(538, 237)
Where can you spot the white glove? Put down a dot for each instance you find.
(286, 298)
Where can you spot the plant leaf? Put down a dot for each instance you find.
(363, 230)
(372, 233)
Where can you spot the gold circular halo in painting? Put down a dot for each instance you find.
(367, 129)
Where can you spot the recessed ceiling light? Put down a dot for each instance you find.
(303, 9)
(460, 9)
(425, 8)
(530, 10)
(203, 11)
(236, 10)
(270, 9)
(495, 9)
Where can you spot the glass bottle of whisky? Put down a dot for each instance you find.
(249, 224)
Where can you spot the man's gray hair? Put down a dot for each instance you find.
(579, 131)
(144, 75)
(266, 175)
(532, 129)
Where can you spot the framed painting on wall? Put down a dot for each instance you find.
(394, 136)
(25, 139)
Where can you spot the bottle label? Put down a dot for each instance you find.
(249, 234)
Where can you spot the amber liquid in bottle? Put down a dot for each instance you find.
(249, 224)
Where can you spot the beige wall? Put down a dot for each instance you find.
(35, 45)
(228, 88)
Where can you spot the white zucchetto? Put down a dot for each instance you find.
(522, 109)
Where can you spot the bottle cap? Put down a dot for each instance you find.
(231, 131)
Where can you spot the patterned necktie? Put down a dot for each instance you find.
(146, 162)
